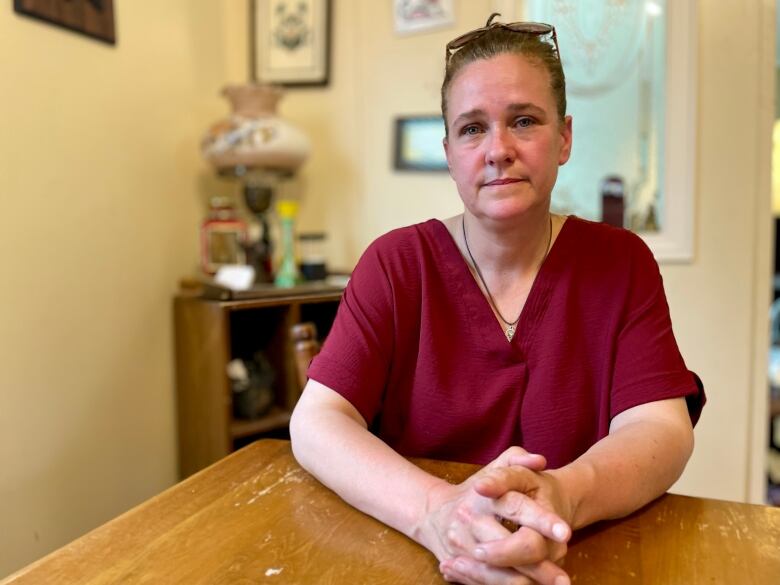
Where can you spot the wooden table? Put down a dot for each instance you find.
(257, 517)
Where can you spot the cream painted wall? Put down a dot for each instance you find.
(100, 190)
(719, 302)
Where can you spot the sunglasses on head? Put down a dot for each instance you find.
(527, 28)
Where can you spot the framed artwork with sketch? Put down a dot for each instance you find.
(416, 16)
(290, 42)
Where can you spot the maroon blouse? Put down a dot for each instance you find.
(416, 349)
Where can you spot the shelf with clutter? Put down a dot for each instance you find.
(237, 369)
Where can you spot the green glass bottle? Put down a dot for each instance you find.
(287, 274)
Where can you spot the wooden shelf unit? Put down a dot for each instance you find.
(210, 333)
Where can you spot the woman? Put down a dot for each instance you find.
(537, 344)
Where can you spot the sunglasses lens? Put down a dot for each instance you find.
(534, 28)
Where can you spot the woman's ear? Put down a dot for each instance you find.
(446, 146)
(566, 140)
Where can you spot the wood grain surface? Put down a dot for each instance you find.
(203, 395)
(257, 517)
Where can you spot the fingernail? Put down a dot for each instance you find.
(460, 566)
(562, 580)
(480, 554)
(560, 532)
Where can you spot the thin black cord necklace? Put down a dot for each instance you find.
(512, 325)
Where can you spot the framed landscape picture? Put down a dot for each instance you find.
(418, 144)
(291, 42)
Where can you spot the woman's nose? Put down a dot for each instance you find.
(500, 149)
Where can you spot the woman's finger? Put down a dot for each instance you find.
(518, 456)
(524, 511)
(528, 552)
(472, 572)
(545, 573)
(460, 538)
(489, 528)
(532, 461)
(525, 550)
(508, 488)
(524, 547)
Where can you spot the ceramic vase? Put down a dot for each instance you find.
(254, 136)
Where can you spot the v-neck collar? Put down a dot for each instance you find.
(477, 306)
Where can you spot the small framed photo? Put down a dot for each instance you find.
(418, 144)
(290, 43)
(413, 16)
(94, 18)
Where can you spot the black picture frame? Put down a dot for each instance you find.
(93, 18)
(418, 144)
(290, 42)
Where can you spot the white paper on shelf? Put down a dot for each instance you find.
(235, 276)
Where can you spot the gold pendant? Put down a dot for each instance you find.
(510, 332)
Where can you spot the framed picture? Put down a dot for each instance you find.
(412, 16)
(290, 43)
(94, 18)
(418, 144)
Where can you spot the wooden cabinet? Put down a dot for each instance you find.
(208, 334)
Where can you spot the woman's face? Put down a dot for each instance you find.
(505, 140)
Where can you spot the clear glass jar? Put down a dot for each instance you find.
(311, 247)
(222, 236)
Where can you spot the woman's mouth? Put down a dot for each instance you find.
(504, 181)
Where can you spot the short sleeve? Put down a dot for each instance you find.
(355, 357)
(648, 364)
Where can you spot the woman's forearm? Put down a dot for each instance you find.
(644, 454)
(330, 440)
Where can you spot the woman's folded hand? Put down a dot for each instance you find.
(466, 524)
